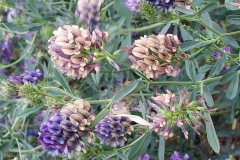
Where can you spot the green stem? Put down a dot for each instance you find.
(15, 122)
(124, 31)
(107, 6)
(99, 101)
(171, 83)
(210, 80)
(122, 70)
(223, 112)
(19, 149)
(27, 52)
(25, 151)
(230, 34)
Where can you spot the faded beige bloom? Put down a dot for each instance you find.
(88, 11)
(153, 55)
(71, 50)
(79, 114)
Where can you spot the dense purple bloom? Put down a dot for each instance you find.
(6, 52)
(62, 133)
(51, 136)
(111, 130)
(177, 156)
(145, 157)
(132, 5)
(165, 5)
(33, 76)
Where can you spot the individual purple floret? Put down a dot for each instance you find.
(33, 76)
(165, 5)
(6, 52)
(177, 156)
(224, 68)
(132, 5)
(226, 49)
(145, 157)
(16, 79)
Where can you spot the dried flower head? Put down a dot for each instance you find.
(88, 11)
(64, 129)
(153, 55)
(111, 130)
(171, 113)
(184, 3)
(72, 50)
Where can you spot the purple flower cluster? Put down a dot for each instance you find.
(62, 133)
(51, 136)
(132, 5)
(111, 130)
(30, 77)
(177, 156)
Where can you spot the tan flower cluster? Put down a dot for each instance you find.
(71, 50)
(79, 116)
(88, 11)
(153, 55)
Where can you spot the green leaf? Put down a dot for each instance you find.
(192, 71)
(189, 45)
(208, 97)
(7, 145)
(28, 111)
(227, 77)
(161, 147)
(211, 134)
(192, 44)
(125, 91)
(184, 10)
(216, 69)
(229, 40)
(62, 80)
(232, 90)
(100, 116)
(1, 156)
(139, 146)
(233, 19)
(123, 11)
(208, 8)
(206, 19)
(185, 34)
(205, 68)
(96, 77)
